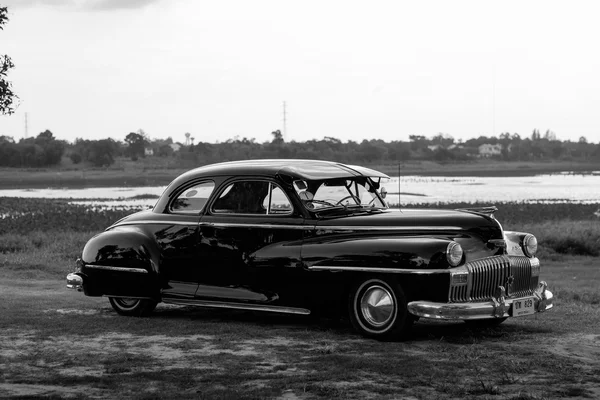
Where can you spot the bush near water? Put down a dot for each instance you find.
(563, 228)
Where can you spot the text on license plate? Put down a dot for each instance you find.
(524, 306)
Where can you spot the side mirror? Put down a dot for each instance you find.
(383, 193)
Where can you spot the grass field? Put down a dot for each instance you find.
(55, 343)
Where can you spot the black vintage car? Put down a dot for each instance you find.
(306, 237)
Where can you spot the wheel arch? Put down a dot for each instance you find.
(122, 261)
(123, 247)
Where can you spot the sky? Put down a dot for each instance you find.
(348, 69)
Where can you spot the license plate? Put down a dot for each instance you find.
(524, 306)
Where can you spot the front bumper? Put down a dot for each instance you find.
(498, 307)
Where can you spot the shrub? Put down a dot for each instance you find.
(75, 158)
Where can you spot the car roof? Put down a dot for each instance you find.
(299, 169)
(296, 169)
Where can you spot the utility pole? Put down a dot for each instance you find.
(494, 102)
(284, 122)
(26, 128)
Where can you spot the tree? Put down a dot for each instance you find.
(550, 135)
(136, 144)
(277, 137)
(53, 149)
(100, 152)
(7, 96)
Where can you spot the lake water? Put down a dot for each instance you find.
(556, 188)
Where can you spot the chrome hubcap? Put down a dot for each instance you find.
(377, 306)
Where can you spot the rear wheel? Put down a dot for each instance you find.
(132, 307)
(377, 309)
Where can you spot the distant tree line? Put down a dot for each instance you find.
(42, 151)
(45, 150)
(440, 148)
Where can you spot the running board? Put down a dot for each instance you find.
(236, 306)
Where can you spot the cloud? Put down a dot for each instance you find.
(82, 5)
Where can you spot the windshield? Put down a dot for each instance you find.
(356, 192)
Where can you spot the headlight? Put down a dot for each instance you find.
(454, 254)
(530, 245)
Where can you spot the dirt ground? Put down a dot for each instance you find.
(50, 359)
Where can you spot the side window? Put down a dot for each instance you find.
(278, 203)
(243, 197)
(252, 197)
(192, 200)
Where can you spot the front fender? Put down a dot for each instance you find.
(408, 253)
(418, 263)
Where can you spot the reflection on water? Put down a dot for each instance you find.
(108, 197)
(556, 188)
(529, 189)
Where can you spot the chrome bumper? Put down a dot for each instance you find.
(75, 282)
(499, 307)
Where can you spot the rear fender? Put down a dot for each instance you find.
(123, 261)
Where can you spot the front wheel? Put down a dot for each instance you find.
(132, 307)
(377, 309)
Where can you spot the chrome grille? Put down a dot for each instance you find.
(486, 274)
(458, 293)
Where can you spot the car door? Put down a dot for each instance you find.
(178, 239)
(250, 241)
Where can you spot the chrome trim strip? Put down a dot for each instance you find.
(308, 227)
(390, 228)
(337, 228)
(380, 270)
(237, 306)
(241, 225)
(122, 269)
(155, 222)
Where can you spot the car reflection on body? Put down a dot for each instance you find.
(306, 237)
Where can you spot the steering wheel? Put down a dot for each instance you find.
(356, 199)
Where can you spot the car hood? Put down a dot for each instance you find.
(472, 229)
(419, 219)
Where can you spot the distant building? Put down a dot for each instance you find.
(434, 147)
(489, 150)
(149, 151)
